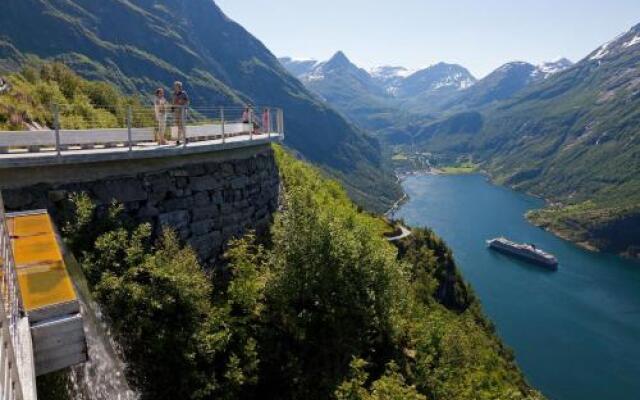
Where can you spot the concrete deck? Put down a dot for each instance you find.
(140, 151)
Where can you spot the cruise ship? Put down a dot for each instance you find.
(527, 252)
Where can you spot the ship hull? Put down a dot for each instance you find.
(552, 265)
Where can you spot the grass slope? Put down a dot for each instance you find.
(39, 85)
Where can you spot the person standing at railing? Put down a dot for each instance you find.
(160, 108)
(246, 116)
(180, 104)
(251, 119)
(266, 120)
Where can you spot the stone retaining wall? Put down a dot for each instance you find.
(206, 200)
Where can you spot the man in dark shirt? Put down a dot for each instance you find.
(180, 103)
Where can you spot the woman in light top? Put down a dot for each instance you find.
(246, 118)
(160, 108)
(266, 121)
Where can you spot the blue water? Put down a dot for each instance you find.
(575, 332)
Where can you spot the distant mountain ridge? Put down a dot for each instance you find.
(369, 97)
(393, 80)
(383, 98)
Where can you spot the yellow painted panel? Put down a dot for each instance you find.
(29, 250)
(29, 225)
(45, 285)
(42, 275)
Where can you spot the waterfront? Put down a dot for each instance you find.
(575, 332)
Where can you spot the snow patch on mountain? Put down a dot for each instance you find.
(547, 69)
(509, 66)
(390, 72)
(632, 42)
(612, 45)
(314, 76)
(390, 77)
(601, 52)
(459, 81)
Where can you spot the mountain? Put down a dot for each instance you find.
(297, 67)
(143, 44)
(436, 80)
(501, 84)
(427, 91)
(387, 97)
(573, 138)
(348, 88)
(333, 78)
(506, 82)
(549, 68)
(464, 97)
(390, 77)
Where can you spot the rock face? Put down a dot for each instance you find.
(206, 202)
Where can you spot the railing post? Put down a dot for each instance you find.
(222, 121)
(251, 123)
(278, 121)
(56, 127)
(281, 124)
(129, 135)
(184, 125)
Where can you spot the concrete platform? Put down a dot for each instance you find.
(140, 151)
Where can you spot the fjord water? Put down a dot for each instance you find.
(575, 332)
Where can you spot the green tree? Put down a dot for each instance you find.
(391, 386)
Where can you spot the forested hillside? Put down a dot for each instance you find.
(322, 307)
(143, 44)
(28, 105)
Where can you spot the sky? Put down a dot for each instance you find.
(478, 34)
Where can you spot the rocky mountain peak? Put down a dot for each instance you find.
(339, 60)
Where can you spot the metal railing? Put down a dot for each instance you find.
(76, 127)
(10, 313)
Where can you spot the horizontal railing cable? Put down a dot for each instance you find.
(129, 126)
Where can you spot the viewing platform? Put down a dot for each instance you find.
(205, 129)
